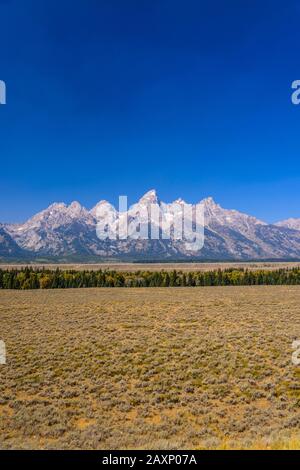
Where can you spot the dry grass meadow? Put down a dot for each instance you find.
(154, 267)
(161, 368)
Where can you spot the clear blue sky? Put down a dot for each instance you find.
(109, 97)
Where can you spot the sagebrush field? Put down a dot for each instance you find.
(160, 368)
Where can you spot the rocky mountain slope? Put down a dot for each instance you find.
(293, 224)
(68, 230)
(8, 247)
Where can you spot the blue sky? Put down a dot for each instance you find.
(109, 97)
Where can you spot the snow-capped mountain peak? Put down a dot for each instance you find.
(179, 201)
(70, 229)
(209, 202)
(101, 206)
(149, 198)
(75, 206)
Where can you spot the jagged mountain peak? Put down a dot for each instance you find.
(179, 201)
(54, 206)
(75, 205)
(210, 204)
(100, 206)
(226, 216)
(149, 197)
(64, 229)
(209, 201)
(60, 209)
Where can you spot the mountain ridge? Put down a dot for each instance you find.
(63, 230)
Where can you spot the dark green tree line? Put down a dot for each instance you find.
(36, 278)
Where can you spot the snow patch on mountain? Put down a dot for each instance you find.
(293, 224)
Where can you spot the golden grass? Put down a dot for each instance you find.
(165, 368)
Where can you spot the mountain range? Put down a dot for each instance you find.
(66, 232)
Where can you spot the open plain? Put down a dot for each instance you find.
(162, 368)
(155, 267)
